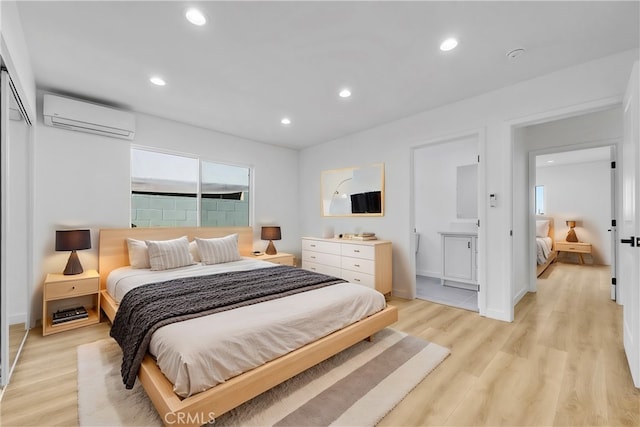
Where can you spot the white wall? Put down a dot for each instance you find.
(580, 191)
(15, 55)
(493, 112)
(82, 180)
(435, 185)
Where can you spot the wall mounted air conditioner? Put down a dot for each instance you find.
(81, 116)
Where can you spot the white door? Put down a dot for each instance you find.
(629, 252)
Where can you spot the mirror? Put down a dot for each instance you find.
(14, 136)
(467, 191)
(356, 191)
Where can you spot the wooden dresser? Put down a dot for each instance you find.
(367, 263)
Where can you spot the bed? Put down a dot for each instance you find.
(545, 243)
(195, 408)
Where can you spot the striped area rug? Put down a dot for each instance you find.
(357, 387)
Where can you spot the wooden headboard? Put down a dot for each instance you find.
(113, 252)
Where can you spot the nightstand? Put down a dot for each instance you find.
(59, 292)
(574, 247)
(279, 258)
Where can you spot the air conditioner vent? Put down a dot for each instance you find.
(82, 116)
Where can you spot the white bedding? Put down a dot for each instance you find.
(197, 354)
(543, 248)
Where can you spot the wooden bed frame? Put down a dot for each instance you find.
(203, 407)
(540, 268)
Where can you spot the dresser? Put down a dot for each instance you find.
(368, 263)
(459, 259)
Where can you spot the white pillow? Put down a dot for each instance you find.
(217, 251)
(167, 254)
(542, 228)
(193, 250)
(138, 254)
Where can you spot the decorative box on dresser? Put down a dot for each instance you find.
(367, 262)
(60, 290)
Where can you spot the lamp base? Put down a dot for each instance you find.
(271, 249)
(571, 236)
(73, 265)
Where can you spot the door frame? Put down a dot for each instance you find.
(613, 144)
(511, 127)
(480, 135)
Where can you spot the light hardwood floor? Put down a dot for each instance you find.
(560, 362)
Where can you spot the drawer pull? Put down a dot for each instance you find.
(356, 265)
(312, 257)
(73, 287)
(313, 246)
(356, 280)
(313, 268)
(356, 251)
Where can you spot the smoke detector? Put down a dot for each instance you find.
(514, 53)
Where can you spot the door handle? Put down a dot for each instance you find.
(631, 241)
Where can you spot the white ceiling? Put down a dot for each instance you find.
(575, 156)
(256, 62)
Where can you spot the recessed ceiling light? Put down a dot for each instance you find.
(196, 17)
(448, 44)
(550, 161)
(285, 121)
(345, 93)
(158, 81)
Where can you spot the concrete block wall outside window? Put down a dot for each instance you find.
(156, 210)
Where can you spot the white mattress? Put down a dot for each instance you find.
(543, 248)
(197, 354)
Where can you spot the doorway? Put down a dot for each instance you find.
(567, 183)
(597, 128)
(445, 212)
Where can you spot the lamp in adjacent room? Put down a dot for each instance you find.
(571, 235)
(73, 240)
(271, 233)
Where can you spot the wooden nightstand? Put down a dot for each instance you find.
(575, 247)
(279, 258)
(59, 290)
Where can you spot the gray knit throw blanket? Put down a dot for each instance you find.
(146, 308)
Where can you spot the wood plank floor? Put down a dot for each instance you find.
(561, 362)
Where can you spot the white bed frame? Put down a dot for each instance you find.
(202, 407)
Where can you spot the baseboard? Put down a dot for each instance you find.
(519, 296)
(401, 294)
(497, 315)
(17, 318)
(427, 273)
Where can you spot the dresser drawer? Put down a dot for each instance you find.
(577, 247)
(322, 269)
(71, 288)
(367, 280)
(358, 251)
(321, 246)
(321, 258)
(361, 265)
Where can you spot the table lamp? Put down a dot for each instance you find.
(571, 235)
(270, 234)
(73, 240)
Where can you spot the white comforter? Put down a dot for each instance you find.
(197, 354)
(543, 247)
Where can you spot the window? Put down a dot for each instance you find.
(539, 199)
(169, 190)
